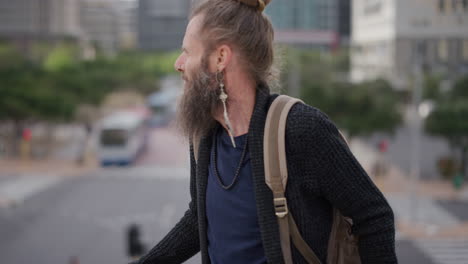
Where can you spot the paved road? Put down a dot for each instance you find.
(399, 150)
(87, 216)
(48, 220)
(165, 148)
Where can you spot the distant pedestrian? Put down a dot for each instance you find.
(234, 217)
(25, 146)
(83, 146)
(74, 260)
(135, 247)
(380, 167)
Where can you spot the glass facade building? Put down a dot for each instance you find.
(321, 15)
(311, 23)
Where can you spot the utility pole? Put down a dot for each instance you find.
(416, 131)
(294, 76)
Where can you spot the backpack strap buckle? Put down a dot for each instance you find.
(281, 207)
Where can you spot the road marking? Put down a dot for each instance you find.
(464, 195)
(17, 190)
(399, 236)
(167, 214)
(427, 211)
(445, 251)
(145, 172)
(164, 218)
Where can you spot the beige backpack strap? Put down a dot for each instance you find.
(300, 244)
(276, 176)
(273, 178)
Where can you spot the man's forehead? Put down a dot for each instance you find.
(192, 31)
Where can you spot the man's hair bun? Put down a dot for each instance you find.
(259, 4)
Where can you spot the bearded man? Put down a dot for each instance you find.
(226, 64)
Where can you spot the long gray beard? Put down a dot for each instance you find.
(197, 105)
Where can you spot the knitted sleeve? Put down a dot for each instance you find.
(344, 183)
(182, 242)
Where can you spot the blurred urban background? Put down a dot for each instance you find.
(93, 171)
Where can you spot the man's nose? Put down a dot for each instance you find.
(179, 64)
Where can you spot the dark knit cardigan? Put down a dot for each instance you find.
(322, 172)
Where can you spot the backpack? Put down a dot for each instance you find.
(342, 245)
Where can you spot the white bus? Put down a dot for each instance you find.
(122, 137)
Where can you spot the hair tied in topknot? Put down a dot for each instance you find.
(259, 4)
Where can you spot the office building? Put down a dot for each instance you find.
(390, 37)
(24, 22)
(310, 23)
(162, 23)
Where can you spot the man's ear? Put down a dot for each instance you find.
(221, 57)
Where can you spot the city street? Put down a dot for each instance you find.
(94, 171)
(49, 219)
(87, 216)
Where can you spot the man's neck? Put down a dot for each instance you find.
(240, 106)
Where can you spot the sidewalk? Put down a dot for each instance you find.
(397, 182)
(431, 221)
(31, 168)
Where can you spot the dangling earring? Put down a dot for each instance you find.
(223, 97)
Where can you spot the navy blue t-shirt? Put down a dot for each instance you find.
(233, 231)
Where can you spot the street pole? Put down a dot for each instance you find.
(416, 130)
(294, 78)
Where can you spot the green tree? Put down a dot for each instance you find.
(359, 109)
(460, 89)
(62, 56)
(431, 89)
(449, 120)
(55, 77)
(52, 81)
(27, 95)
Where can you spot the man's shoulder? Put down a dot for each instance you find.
(304, 115)
(307, 124)
(305, 120)
(303, 111)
